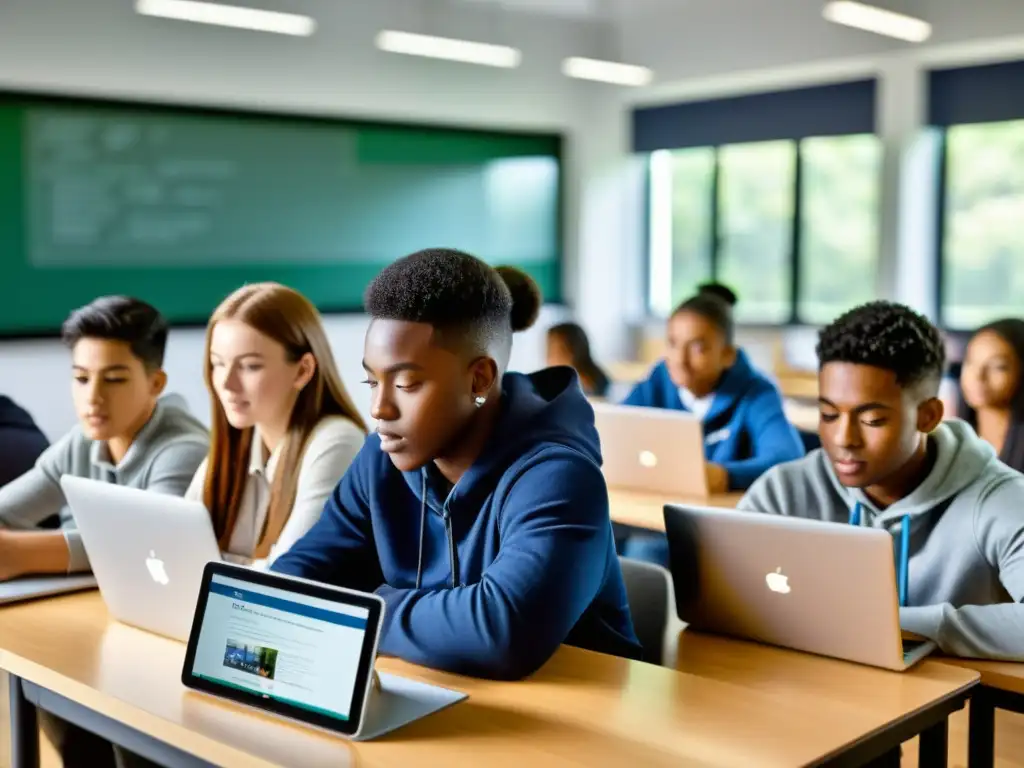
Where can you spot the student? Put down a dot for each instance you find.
(888, 461)
(567, 344)
(21, 441)
(745, 427)
(125, 436)
(284, 427)
(992, 399)
(478, 512)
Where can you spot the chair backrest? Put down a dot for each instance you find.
(648, 589)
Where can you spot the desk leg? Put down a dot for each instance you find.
(934, 745)
(24, 728)
(890, 759)
(981, 736)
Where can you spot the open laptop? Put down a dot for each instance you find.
(32, 587)
(147, 551)
(652, 449)
(824, 588)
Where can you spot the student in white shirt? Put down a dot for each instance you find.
(284, 429)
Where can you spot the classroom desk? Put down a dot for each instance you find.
(888, 707)
(1002, 687)
(646, 510)
(581, 709)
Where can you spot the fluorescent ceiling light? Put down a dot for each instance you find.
(448, 48)
(606, 71)
(877, 20)
(228, 16)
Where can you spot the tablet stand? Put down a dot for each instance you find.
(399, 701)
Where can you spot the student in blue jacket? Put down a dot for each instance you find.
(746, 431)
(478, 511)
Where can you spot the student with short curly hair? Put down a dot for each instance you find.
(478, 511)
(888, 461)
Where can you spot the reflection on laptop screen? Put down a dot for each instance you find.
(292, 648)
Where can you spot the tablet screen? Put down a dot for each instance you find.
(295, 653)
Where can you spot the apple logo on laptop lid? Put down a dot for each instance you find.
(777, 581)
(156, 569)
(648, 460)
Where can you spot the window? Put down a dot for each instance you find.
(750, 214)
(839, 200)
(983, 239)
(755, 227)
(680, 222)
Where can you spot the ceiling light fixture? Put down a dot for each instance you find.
(228, 16)
(451, 49)
(878, 20)
(606, 71)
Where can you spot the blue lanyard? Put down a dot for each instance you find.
(903, 566)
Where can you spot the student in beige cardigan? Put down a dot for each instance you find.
(284, 429)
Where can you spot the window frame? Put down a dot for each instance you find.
(941, 219)
(797, 245)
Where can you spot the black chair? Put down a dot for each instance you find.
(649, 591)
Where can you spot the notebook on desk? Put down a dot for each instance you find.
(823, 588)
(34, 587)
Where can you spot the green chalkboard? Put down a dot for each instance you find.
(181, 206)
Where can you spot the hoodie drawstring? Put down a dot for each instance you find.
(903, 566)
(423, 529)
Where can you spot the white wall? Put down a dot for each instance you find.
(99, 47)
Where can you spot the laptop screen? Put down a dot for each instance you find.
(281, 646)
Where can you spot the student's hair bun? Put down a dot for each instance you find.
(719, 291)
(526, 297)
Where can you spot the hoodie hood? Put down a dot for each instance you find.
(961, 457)
(537, 410)
(13, 415)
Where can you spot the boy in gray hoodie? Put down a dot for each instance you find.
(125, 435)
(888, 461)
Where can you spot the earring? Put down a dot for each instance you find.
(479, 401)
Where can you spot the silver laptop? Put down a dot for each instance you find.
(147, 551)
(652, 449)
(824, 588)
(32, 587)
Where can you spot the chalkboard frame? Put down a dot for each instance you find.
(104, 102)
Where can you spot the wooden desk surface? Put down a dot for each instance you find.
(646, 510)
(734, 705)
(869, 696)
(1004, 675)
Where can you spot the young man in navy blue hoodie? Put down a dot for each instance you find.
(478, 511)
